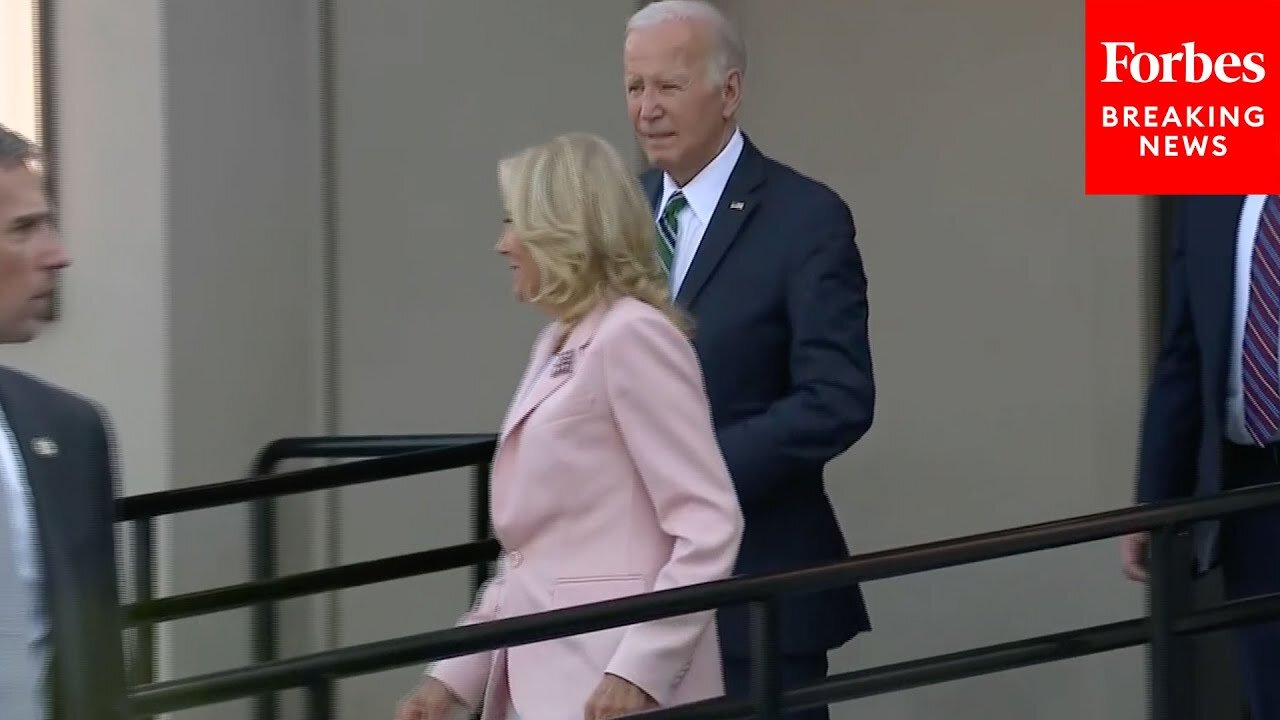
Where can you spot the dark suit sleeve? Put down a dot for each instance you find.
(1171, 424)
(832, 394)
(105, 601)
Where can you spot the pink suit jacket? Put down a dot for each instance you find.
(607, 482)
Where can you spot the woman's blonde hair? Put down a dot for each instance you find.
(586, 225)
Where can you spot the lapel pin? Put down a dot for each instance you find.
(44, 447)
(562, 364)
(736, 205)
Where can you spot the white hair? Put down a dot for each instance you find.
(728, 51)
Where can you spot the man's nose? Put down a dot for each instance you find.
(650, 108)
(54, 255)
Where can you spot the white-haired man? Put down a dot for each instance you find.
(765, 260)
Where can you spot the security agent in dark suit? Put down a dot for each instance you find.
(60, 644)
(1212, 420)
(764, 259)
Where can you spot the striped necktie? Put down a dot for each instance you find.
(1260, 369)
(669, 229)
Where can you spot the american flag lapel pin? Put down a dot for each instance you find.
(738, 205)
(44, 447)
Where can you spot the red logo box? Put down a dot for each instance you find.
(1182, 97)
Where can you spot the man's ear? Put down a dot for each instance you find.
(731, 93)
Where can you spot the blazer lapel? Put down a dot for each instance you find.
(537, 361)
(738, 201)
(548, 371)
(543, 383)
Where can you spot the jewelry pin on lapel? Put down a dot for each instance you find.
(562, 364)
(736, 205)
(44, 447)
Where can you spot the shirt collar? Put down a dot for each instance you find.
(704, 190)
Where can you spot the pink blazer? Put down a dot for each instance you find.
(607, 482)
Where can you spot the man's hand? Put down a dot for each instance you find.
(615, 697)
(432, 700)
(1136, 549)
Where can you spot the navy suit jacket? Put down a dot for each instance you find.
(73, 493)
(778, 296)
(1185, 419)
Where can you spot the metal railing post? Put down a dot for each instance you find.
(1171, 697)
(766, 679)
(144, 657)
(481, 529)
(320, 698)
(266, 627)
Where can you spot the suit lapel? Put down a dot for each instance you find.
(37, 448)
(40, 454)
(652, 180)
(548, 371)
(738, 201)
(537, 360)
(1211, 250)
(540, 386)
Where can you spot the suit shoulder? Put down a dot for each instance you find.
(1210, 203)
(629, 311)
(629, 316)
(57, 398)
(814, 193)
(650, 176)
(633, 334)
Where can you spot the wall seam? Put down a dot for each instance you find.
(331, 410)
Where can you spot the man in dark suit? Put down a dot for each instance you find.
(1212, 421)
(60, 645)
(764, 259)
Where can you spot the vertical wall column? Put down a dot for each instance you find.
(191, 199)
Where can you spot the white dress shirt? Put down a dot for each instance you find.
(703, 193)
(26, 544)
(1247, 230)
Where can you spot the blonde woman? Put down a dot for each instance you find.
(607, 481)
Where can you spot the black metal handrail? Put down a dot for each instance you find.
(318, 671)
(384, 457)
(267, 485)
(342, 577)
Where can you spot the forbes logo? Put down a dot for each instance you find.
(1176, 67)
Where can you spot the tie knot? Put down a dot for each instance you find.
(675, 204)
